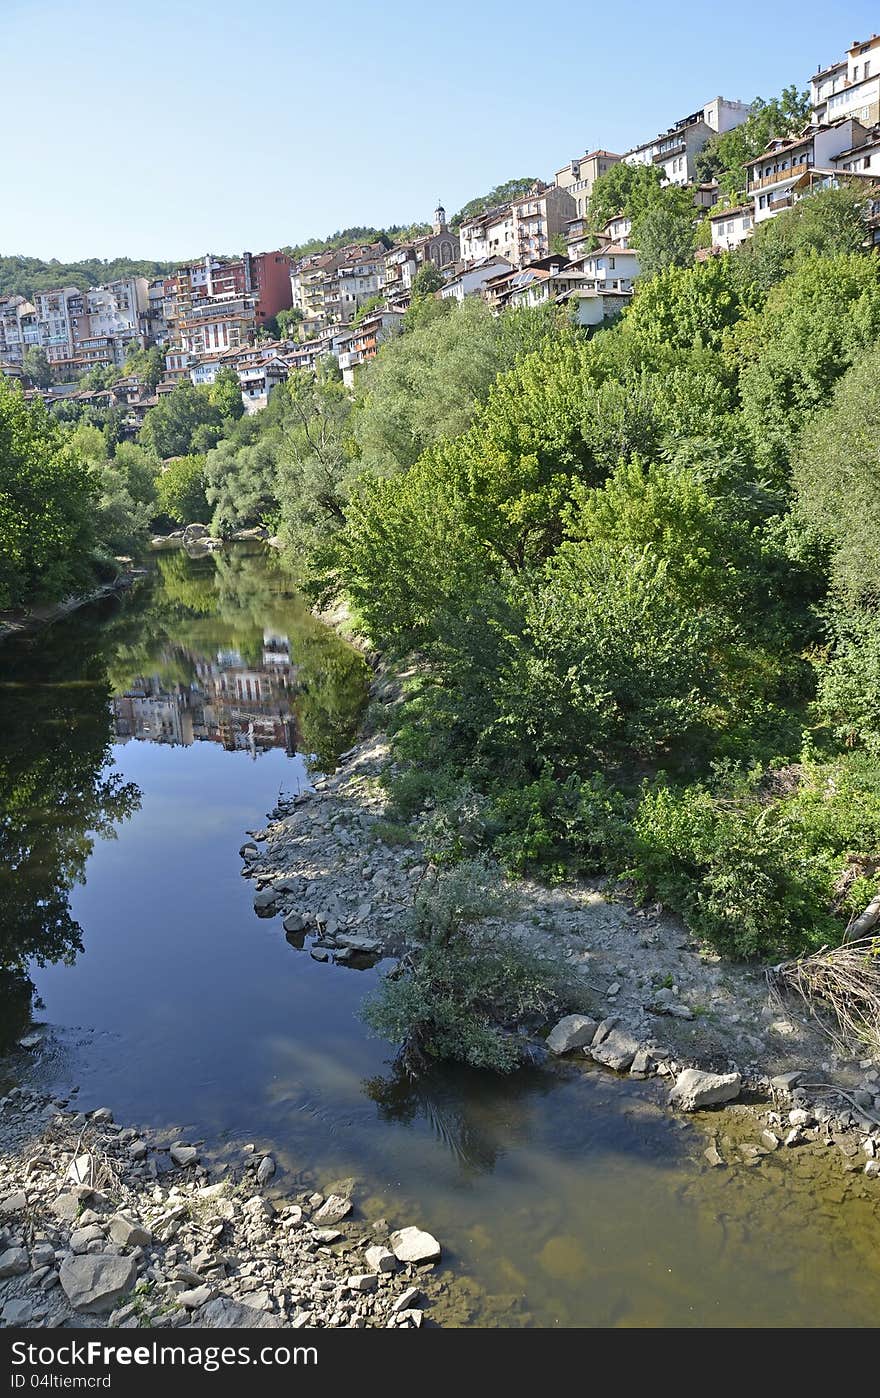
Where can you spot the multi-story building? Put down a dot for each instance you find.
(470, 281)
(772, 176)
(730, 227)
(363, 341)
(539, 217)
(13, 311)
(850, 87)
(861, 159)
(579, 176)
(675, 151)
(611, 268)
(474, 236)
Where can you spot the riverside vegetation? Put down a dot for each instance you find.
(631, 578)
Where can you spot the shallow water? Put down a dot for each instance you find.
(168, 722)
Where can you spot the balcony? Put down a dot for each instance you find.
(793, 172)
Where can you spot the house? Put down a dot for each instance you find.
(862, 159)
(364, 341)
(773, 174)
(470, 281)
(674, 151)
(258, 379)
(540, 216)
(591, 307)
(611, 268)
(474, 236)
(850, 87)
(578, 176)
(730, 227)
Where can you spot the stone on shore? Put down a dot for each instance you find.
(380, 1259)
(14, 1262)
(414, 1245)
(572, 1032)
(184, 1155)
(225, 1314)
(265, 1169)
(128, 1232)
(695, 1089)
(617, 1050)
(334, 1208)
(97, 1282)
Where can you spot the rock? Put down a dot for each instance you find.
(714, 1156)
(128, 1232)
(18, 1312)
(784, 1082)
(265, 901)
(334, 1208)
(380, 1259)
(604, 1028)
(97, 1282)
(184, 1155)
(694, 1089)
(14, 1262)
(265, 1169)
(223, 1313)
(366, 1281)
(406, 1300)
(13, 1204)
(81, 1237)
(42, 1255)
(198, 1296)
(799, 1117)
(641, 1064)
(101, 1114)
(258, 1205)
(872, 1168)
(326, 1235)
(613, 989)
(138, 1150)
(414, 1245)
(770, 1140)
(617, 1050)
(572, 1032)
(249, 851)
(193, 532)
(66, 1207)
(80, 1169)
(294, 922)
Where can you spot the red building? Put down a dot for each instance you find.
(269, 274)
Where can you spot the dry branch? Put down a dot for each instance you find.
(841, 988)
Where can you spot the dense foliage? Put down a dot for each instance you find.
(23, 276)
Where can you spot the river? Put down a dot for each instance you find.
(139, 740)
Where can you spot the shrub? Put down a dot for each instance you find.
(469, 981)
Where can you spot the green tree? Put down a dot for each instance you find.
(426, 281)
(824, 223)
(180, 490)
(169, 428)
(371, 304)
(287, 321)
(147, 364)
(36, 366)
(47, 499)
(724, 156)
(224, 394)
(665, 233)
(623, 189)
(500, 195)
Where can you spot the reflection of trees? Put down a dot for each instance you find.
(475, 1114)
(57, 790)
(225, 601)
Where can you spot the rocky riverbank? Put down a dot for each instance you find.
(100, 1225)
(340, 878)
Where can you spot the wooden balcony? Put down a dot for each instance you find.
(792, 173)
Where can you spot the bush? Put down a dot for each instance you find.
(577, 826)
(469, 981)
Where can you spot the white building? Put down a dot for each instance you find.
(732, 226)
(850, 87)
(471, 280)
(612, 268)
(773, 175)
(674, 151)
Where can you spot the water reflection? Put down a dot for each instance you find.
(216, 650)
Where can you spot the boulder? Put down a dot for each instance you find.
(14, 1262)
(225, 1314)
(192, 532)
(265, 1169)
(183, 1155)
(97, 1282)
(13, 1203)
(18, 1312)
(334, 1208)
(81, 1237)
(128, 1232)
(572, 1032)
(79, 1171)
(617, 1050)
(380, 1259)
(414, 1245)
(265, 901)
(406, 1300)
(365, 1281)
(694, 1089)
(294, 922)
(198, 1296)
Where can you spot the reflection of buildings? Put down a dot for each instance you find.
(240, 706)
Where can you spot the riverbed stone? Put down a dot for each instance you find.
(13, 1203)
(334, 1208)
(695, 1089)
(184, 1155)
(95, 1283)
(128, 1232)
(294, 922)
(223, 1313)
(265, 1169)
(380, 1259)
(266, 900)
(570, 1033)
(414, 1245)
(617, 1050)
(14, 1262)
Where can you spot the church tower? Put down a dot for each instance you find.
(439, 219)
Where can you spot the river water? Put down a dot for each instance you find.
(139, 740)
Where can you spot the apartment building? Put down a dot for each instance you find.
(471, 281)
(674, 151)
(362, 341)
(731, 227)
(850, 87)
(861, 159)
(773, 175)
(520, 232)
(578, 176)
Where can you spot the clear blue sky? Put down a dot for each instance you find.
(168, 127)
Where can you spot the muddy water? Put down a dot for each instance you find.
(138, 742)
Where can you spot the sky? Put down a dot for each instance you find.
(169, 128)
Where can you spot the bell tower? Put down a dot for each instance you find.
(439, 219)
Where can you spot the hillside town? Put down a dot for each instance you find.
(541, 247)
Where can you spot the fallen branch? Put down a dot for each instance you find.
(844, 983)
(863, 924)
